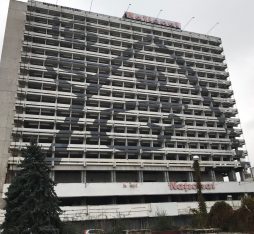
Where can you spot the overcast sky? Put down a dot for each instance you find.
(235, 27)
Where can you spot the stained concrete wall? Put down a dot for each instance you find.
(9, 70)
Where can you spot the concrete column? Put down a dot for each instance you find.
(212, 172)
(166, 176)
(140, 177)
(83, 177)
(113, 200)
(113, 176)
(231, 175)
(242, 175)
(190, 176)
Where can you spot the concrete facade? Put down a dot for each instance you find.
(9, 72)
(116, 102)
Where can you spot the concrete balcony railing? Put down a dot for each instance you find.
(238, 142)
(126, 149)
(116, 19)
(116, 163)
(107, 27)
(113, 135)
(25, 91)
(233, 121)
(124, 49)
(98, 26)
(230, 111)
(118, 68)
(242, 153)
(88, 121)
(235, 132)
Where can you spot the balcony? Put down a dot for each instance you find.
(238, 142)
(235, 132)
(242, 153)
(230, 112)
(134, 163)
(233, 121)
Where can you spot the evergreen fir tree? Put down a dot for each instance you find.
(31, 202)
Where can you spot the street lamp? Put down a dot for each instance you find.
(201, 201)
(195, 158)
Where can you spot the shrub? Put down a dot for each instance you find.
(220, 215)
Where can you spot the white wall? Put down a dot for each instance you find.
(133, 211)
(157, 188)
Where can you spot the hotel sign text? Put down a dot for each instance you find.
(190, 186)
(147, 19)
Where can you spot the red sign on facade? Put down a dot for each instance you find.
(190, 186)
(147, 19)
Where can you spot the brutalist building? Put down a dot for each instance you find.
(120, 106)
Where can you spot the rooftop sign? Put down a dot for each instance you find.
(152, 20)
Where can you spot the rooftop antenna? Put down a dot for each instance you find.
(128, 7)
(189, 21)
(91, 5)
(212, 28)
(159, 13)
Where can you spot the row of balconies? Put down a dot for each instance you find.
(65, 126)
(140, 100)
(151, 135)
(35, 114)
(78, 117)
(127, 79)
(142, 109)
(108, 111)
(133, 141)
(160, 102)
(80, 78)
(62, 33)
(96, 68)
(140, 163)
(140, 156)
(131, 108)
(125, 26)
(91, 85)
(120, 144)
(117, 54)
(113, 94)
(116, 140)
(153, 50)
(127, 29)
(101, 71)
(175, 127)
(78, 87)
(126, 149)
(127, 76)
(116, 51)
(121, 62)
(51, 67)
